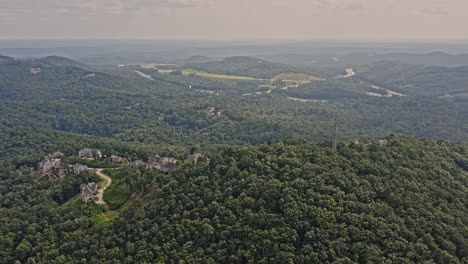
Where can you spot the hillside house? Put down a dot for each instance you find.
(52, 166)
(45, 166)
(35, 71)
(165, 164)
(168, 164)
(137, 163)
(88, 192)
(155, 158)
(116, 160)
(193, 158)
(168, 167)
(59, 170)
(166, 160)
(86, 153)
(382, 142)
(212, 112)
(77, 168)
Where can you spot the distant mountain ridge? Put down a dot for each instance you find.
(416, 80)
(434, 58)
(199, 59)
(6, 59)
(59, 61)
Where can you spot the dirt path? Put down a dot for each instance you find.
(100, 193)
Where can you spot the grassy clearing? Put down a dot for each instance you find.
(103, 181)
(164, 71)
(218, 76)
(115, 196)
(289, 78)
(74, 202)
(295, 77)
(212, 75)
(101, 213)
(111, 214)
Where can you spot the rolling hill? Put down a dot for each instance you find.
(55, 93)
(397, 200)
(428, 59)
(244, 66)
(417, 80)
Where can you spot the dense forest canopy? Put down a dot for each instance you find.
(268, 187)
(417, 80)
(60, 94)
(402, 202)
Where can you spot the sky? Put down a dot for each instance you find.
(234, 19)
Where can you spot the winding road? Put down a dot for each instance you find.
(100, 192)
(144, 75)
(349, 73)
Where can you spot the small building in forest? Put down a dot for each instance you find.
(52, 166)
(116, 160)
(137, 163)
(193, 158)
(86, 153)
(77, 168)
(88, 192)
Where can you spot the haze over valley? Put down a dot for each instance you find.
(206, 131)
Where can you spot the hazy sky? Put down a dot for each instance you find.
(218, 19)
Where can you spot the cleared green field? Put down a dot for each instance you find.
(74, 202)
(212, 75)
(218, 76)
(164, 71)
(286, 77)
(295, 77)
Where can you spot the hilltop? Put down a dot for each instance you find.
(244, 66)
(417, 80)
(400, 199)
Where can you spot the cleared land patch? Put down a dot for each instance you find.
(217, 76)
(286, 77)
(295, 77)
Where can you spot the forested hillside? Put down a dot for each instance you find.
(435, 58)
(400, 201)
(417, 80)
(60, 94)
(246, 66)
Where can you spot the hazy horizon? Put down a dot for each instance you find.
(352, 20)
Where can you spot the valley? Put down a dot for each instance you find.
(233, 132)
(245, 151)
